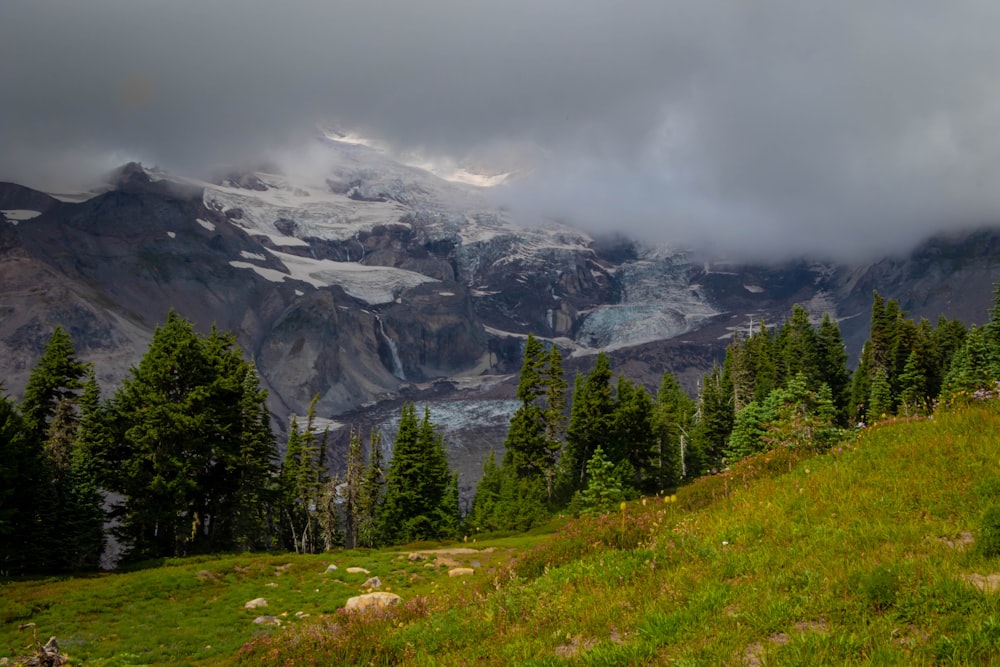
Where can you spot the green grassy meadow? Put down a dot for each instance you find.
(865, 555)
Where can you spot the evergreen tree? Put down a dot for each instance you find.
(715, 419)
(19, 480)
(371, 493)
(85, 538)
(590, 422)
(880, 401)
(913, 382)
(833, 372)
(750, 427)
(632, 441)
(254, 470)
(799, 349)
(419, 502)
(55, 377)
(672, 422)
(353, 480)
(554, 416)
(603, 491)
(534, 438)
(49, 418)
(180, 456)
(802, 417)
(303, 482)
(486, 503)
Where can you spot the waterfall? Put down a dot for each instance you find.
(397, 365)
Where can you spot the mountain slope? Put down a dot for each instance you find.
(369, 282)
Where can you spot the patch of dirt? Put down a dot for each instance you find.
(574, 647)
(811, 626)
(779, 638)
(457, 551)
(753, 654)
(961, 541)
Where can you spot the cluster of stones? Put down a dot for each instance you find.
(375, 598)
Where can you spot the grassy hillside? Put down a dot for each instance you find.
(863, 555)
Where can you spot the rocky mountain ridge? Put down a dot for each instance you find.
(371, 282)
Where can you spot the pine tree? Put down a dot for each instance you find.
(603, 489)
(85, 538)
(715, 420)
(672, 422)
(632, 440)
(749, 429)
(49, 418)
(353, 478)
(418, 502)
(485, 504)
(19, 479)
(188, 444)
(880, 400)
(55, 377)
(913, 387)
(371, 493)
(799, 348)
(589, 423)
(833, 372)
(303, 480)
(554, 416)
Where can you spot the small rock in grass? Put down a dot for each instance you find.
(372, 601)
(414, 557)
(330, 568)
(267, 620)
(301, 614)
(271, 584)
(373, 583)
(357, 570)
(475, 563)
(256, 603)
(460, 571)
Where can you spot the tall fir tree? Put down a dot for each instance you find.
(672, 422)
(590, 421)
(180, 456)
(371, 493)
(19, 480)
(420, 501)
(303, 480)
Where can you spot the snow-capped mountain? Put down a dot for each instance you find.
(368, 281)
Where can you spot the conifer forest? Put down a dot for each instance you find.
(181, 459)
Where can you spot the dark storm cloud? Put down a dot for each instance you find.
(761, 127)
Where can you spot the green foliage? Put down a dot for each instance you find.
(671, 422)
(590, 422)
(988, 536)
(604, 490)
(421, 494)
(371, 493)
(880, 587)
(192, 445)
(307, 503)
(750, 428)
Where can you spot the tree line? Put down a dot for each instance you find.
(787, 385)
(181, 459)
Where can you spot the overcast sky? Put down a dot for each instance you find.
(834, 126)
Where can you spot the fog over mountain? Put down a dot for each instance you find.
(844, 129)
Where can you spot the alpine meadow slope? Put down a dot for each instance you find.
(870, 553)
